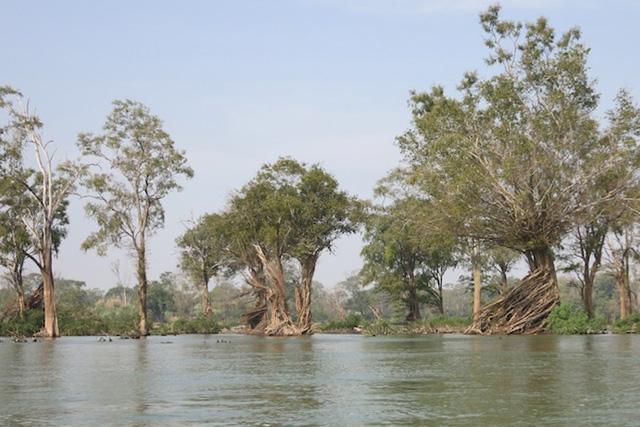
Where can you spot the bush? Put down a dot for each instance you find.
(379, 327)
(566, 319)
(199, 325)
(351, 321)
(31, 324)
(630, 325)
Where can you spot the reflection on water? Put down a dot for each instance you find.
(322, 380)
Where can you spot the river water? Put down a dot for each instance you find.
(331, 380)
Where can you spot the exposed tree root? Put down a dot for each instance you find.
(522, 310)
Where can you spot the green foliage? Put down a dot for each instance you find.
(143, 168)
(203, 248)
(514, 157)
(379, 327)
(199, 325)
(630, 325)
(31, 324)
(403, 259)
(566, 319)
(351, 321)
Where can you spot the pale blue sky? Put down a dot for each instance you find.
(239, 83)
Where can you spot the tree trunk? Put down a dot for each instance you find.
(278, 321)
(256, 318)
(477, 283)
(16, 280)
(624, 288)
(49, 300)
(440, 295)
(414, 307)
(623, 300)
(627, 281)
(587, 295)
(504, 281)
(303, 295)
(525, 307)
(143, 327)
(206, 301)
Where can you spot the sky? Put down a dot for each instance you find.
(240, 83)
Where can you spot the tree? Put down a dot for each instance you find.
(621, 250)
(203, 253)
(325, 214)
(288, 211)
(396, 260)
(502, 260)
(512, 160)
(46, 190)
(15, 242)
(161, 297)
(142, 167)
(586, 251)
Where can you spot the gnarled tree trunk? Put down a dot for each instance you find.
(303, 295)
(525, 307)
(277, 320)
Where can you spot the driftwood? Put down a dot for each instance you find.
(34, 301)
(521, 310)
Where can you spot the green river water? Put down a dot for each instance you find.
(331, 380)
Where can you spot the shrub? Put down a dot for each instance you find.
(351, 321)
(628, 326)
(566, 319)
(379, 327)
(199, 325)
(31, 324)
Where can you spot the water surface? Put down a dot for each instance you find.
(328, 380)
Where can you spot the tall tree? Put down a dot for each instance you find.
(46, 190)
(203, 252)
(140, 166)
(512, 160)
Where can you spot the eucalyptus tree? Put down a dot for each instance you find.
(512, 160)
(136, 165)
(45, 192)
(203, 253)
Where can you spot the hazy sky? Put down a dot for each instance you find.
(239, 83)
